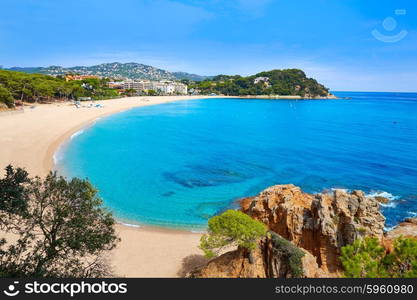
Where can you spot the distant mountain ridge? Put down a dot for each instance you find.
(114, 70)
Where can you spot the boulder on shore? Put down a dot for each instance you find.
(381, 199)
(406, 229)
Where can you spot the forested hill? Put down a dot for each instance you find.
(275, 82)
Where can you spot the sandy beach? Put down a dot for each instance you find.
(29, 139)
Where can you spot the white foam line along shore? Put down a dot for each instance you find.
(31, 139)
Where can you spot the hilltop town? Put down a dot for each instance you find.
(114, 70)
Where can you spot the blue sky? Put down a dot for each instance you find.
(333, 41)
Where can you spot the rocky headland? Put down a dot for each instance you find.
(329, 96)
(306, 233)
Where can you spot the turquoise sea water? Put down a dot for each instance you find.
(177, 164)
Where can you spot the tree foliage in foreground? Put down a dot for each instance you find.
(54, 227)
(231, 228)
(13, 193)
(367, 258)
(6, 97)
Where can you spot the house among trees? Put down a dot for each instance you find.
(71, 77)
(259, 79)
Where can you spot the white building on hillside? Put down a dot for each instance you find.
(180, 88)
(259, 79)
(130, 84)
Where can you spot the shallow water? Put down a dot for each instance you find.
(177, 164)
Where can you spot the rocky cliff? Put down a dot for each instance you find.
(307, 232)
(407, 229)
(320, 223)
(275, 257)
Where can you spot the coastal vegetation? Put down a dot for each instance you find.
(276, 82)
(18, 87)
(23, 87)
(288, 252)
(367, 258)
(54, 227)
(6, 97)
(231, 228)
